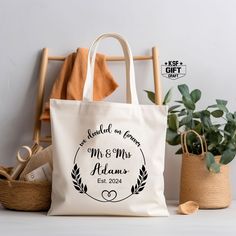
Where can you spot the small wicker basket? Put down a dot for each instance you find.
(209, 190)
(25, 195)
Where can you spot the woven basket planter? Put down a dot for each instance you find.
(23, 195)
(209, 190)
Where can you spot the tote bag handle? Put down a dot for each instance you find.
(131, 93)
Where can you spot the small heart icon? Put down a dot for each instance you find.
(109, 195)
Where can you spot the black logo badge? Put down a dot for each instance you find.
(173, 70)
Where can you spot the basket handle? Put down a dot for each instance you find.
(184, 141)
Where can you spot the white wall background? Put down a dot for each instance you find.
(200, 33)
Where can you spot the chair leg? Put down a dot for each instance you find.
(40, 96)
(156, 75)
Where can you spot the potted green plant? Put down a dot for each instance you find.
(214, 131)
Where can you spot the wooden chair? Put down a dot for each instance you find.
(37, 137)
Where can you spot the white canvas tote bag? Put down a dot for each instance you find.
(108, 158)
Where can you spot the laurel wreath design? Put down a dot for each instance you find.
(137, 188)
(77, 180)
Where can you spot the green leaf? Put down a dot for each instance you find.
(173, 122)
(212, 106)
(230, 128)
(205, 119)
(213, 137)
(211, 146)
(227, 156)
(186, 120)
(171, 109)
(197, 114)
(186, 98)
(216, 127)
(221, 104)
(210, 163)
(210, 159)
(184, 90)
(182, 112)
(205, 113)
(172, 137)
(179, 151)
(217, 113)
(178, 101)
(198, 128)
(231, 146)
(215, 167)
(188, 103)
(151, 95)
(167, 97)
(230, 117)
(195, 95)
